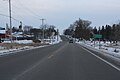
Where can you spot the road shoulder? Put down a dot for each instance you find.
(110, 60)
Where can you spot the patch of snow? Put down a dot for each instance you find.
(2, 47)
(11, 51)
(20, 41)
(23, 41)
(55, 40)
(104, 47)
(2, 31)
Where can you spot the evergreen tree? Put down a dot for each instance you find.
(95, 31)
(108, 31)
(103, 32)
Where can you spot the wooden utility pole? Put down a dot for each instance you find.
(10, 22)
(57, 35)
(43, 26)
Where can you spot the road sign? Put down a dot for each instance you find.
(97, 36)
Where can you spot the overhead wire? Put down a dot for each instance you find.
(2, 7)
(24, 9)
(11, 17)
(14, 12)
(28, 9)
(3, 10)
(21, 10)
(1, 3)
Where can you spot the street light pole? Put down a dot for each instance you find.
(10, 21)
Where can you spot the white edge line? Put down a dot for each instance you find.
(102, 59)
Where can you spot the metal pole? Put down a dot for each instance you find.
(10, 22)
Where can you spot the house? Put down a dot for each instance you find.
(2, 33)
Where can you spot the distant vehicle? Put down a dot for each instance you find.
(71, 41)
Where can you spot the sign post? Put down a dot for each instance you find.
(99, 36)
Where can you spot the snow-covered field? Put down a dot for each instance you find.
(4, 51)
(108, 48)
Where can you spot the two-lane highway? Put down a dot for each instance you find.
(63, 61)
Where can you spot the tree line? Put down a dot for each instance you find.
(45, 31)
(109, 32)
(81, 29)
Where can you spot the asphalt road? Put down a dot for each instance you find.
(63, 61)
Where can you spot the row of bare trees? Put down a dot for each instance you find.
(48, 32)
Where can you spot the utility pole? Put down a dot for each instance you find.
(50, 34)
(10, 22)
(57, 34)
(99, 39)
(43, 26)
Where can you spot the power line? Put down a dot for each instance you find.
(2, 3)
(9, 16)
(12, 18)
(2, 7)
(14, 11)
(27, 9)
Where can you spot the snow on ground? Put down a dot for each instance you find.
(107, 47)
(53, 40)
(56, 40)
(20, 41)
(4, 51)
(11, 51)
(2, 47)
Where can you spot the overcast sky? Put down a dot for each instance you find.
(61, 13)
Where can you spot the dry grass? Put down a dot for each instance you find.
(16, 45)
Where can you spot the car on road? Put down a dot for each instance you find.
(71, 41)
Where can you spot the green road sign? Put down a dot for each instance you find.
(97, 36)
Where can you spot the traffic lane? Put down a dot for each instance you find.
(64, 38)
(94, 68)
(51, 69)
(72, 63)
(106, 57)
(14, 64)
